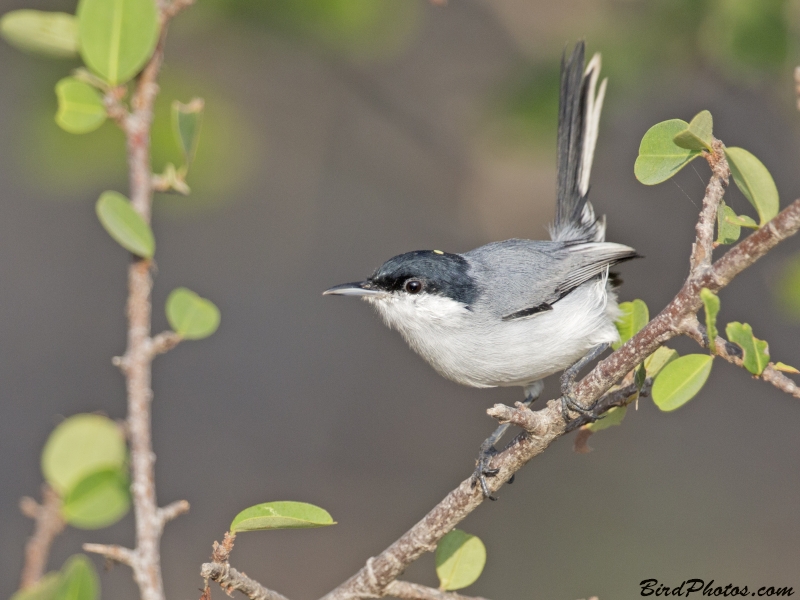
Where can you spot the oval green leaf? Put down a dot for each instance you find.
(633, 316)
(711, 306)
(117, 37)
(80, 106)
(681, 380)
(125, 225)
(50, 33)
(658, 360)
(698, 135)
(186, 121)
(45, 589)
(611, 417)
(79, 580)
(659, 157)
(756, 352)
(281, 515)
(79, 446)
(98, 500)
(190, 315)
(728, 230)
(460, 558)
(754, 181)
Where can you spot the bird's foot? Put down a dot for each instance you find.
(482, 469)
(568, 401)
(488, 450)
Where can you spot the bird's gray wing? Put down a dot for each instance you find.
(573, 266)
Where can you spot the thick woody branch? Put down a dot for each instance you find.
(48, 524)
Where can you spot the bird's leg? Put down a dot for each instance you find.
(568, 401)
(488, 450)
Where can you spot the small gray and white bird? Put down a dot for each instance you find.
(511, 313)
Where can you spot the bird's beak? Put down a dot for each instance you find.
(359, 288)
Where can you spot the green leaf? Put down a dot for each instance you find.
(117, 37)
(640, 376)
(281, 515)
(698, 135)
(779, 366)
(711, 305)
(460, 558)
(125, 225)
(613, 416)
(80, 106)
(186, 121)
(79, 446)
(680, 380)
(741, 221)
(754, 181)
(50, 33)
(98, 500)
(191, 316)
(658, 360)
(634, 315)
(756, 352)
(79, 580)
(45, 589)
(728, 232)
(659, 157)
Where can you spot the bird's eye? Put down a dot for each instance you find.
(413, 286)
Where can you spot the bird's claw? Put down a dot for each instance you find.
(482, 471)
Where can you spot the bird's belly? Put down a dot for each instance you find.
(519, 352)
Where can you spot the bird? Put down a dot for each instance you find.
(513, 312)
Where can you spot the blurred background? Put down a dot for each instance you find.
(339, 133)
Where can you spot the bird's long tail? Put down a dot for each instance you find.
(580, 104)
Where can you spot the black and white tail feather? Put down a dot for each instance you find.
(580, 104)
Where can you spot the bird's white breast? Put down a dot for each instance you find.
(480, 350)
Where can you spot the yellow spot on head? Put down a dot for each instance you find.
(438, 252)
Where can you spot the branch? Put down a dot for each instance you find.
(414, 591)
(48, 524)
(164, 342)
(124, 556)
(704, 245)
(733, 355)
(230, 579)
(136, 364)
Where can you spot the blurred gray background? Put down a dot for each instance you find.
(339, 133)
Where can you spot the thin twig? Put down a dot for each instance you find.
(703, 247)
(697, 332)
(230, 579)
(164, 342)
(119, 554)
(414, 591)
(48, 524)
